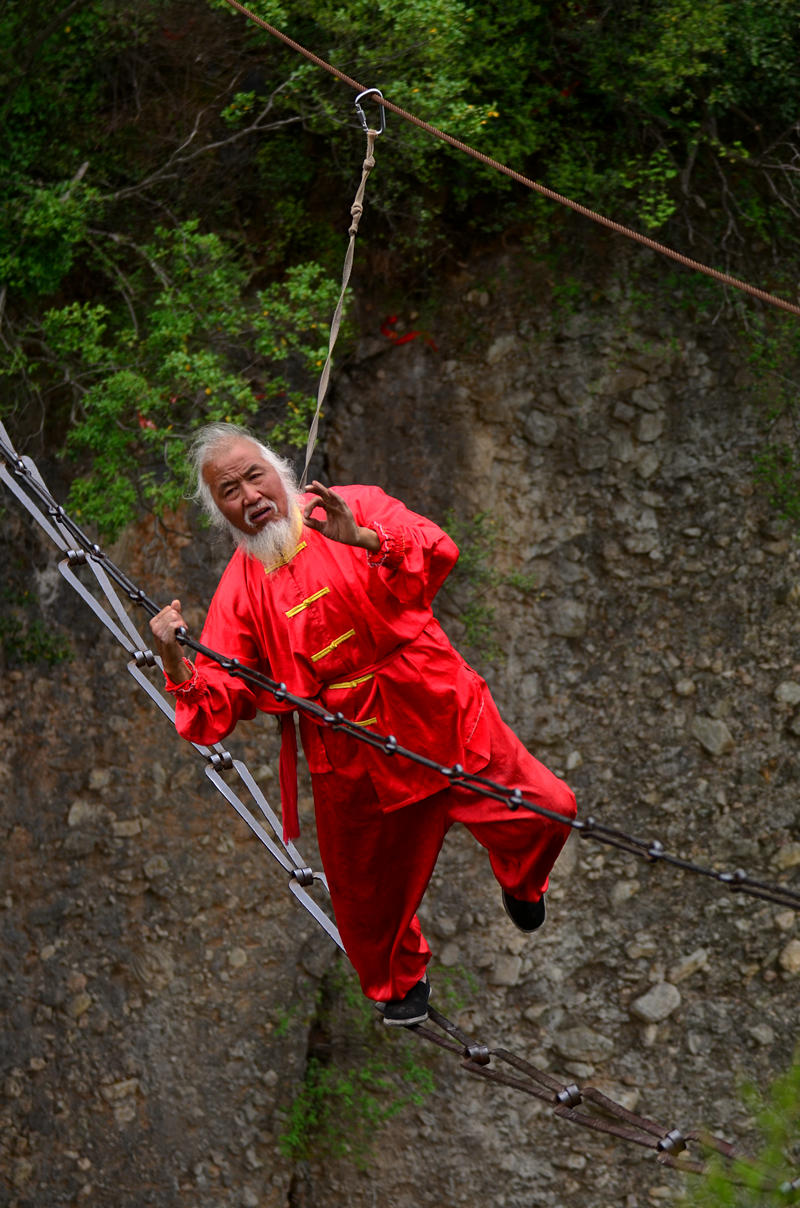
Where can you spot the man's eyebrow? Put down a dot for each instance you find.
(232, 478)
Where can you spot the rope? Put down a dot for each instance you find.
(356, 210)
(584, 1106)
(560, 199)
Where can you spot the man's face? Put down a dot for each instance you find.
(247, 490)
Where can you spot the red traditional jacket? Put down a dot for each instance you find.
(354, 631)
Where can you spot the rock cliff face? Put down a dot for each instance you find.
(163, 993)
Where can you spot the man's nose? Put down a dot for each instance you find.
(250, 493)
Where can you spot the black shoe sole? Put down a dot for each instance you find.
(405, 1023)
(520, 927)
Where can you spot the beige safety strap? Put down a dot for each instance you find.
(356, 210)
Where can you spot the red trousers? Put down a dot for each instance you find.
(379, 864)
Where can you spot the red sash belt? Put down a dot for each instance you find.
(287, 763)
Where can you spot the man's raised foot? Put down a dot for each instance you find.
(527, 916)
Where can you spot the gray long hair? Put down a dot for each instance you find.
(213, 439)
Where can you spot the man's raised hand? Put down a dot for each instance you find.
(339, 523)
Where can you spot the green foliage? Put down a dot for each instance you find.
(200, 350)
(41, 230)
(454, 985)
(364, 1080)
(766, 1182)
(773, 343)
(679, 43)
(651, 182)
(240, 107)
(419, 52)
(55, 69)
(362, 1098)
(632, 108)
(169, 233)
(136, 337)
(475, 580)
(777, 467)
(25, 639)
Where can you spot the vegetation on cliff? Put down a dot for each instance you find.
(175, 185)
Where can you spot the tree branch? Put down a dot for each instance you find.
(181, 156)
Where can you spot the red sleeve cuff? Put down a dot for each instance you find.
(186, 685)
(391, 550)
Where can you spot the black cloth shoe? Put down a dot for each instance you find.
(527, 916)
(413, 1008)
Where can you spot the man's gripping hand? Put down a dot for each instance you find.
(165, 626)
(339, 523)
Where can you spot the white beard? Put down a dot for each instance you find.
(276, 539)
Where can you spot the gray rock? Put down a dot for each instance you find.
(649, 398)
(593, 453)
(641, 543)
(540, 428)
(690, 964)
(650, 426)
(568, 618)
(22, 1172)
(621, 447)
(657, 1004)
(623, 891)
(237, 958)
(787, 857)
(80, 843)
(78, 1005)
(573, 391)
(450, 955)
(113, 1092)
(157, 866)
(713, 735)
(85, 813)
(789, 959)
(624, 378)
(126, 828)
(506, 970)
(788, 693)
(502, 348)
(647, 463)
(583, 1044)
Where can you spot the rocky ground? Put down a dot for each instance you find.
(163, 993)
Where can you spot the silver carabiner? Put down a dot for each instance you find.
(361, 115)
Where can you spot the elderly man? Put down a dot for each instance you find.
(337, 606)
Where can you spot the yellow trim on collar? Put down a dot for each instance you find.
(286, 558)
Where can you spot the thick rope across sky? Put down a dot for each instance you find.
(609, 223)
